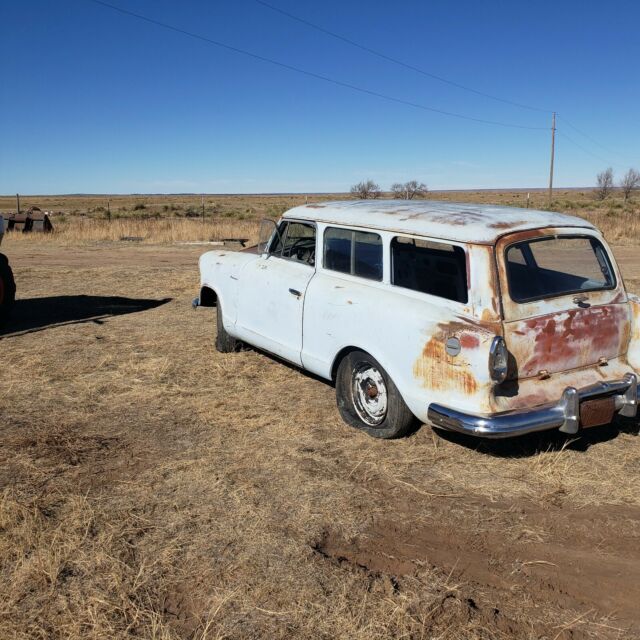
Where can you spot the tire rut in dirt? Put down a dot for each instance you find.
(579, 559)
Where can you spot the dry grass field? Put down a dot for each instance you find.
(151, 487)
(173, 218)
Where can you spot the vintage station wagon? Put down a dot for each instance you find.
(491, 321)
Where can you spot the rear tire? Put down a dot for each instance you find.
(7, 288)
(369, 400)
(224, 342)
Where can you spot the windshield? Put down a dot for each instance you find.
(556, 266)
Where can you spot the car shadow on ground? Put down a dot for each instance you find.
(516, 447)
(37, 314)
(535, 443)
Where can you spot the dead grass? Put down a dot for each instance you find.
(86, 231)
(151, 487)
(167, 219)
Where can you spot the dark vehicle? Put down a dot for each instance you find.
(7, 283)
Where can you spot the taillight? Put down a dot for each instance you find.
(498, 356)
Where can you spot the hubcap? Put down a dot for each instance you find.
(369, 394)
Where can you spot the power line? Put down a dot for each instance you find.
(388, 58)
(594, 155)
(429, 74)
(311, 74)
(586, 135)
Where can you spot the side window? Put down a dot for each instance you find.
(429, 267)
(295, 241)
(358, 253)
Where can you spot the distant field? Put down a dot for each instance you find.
(174, 218)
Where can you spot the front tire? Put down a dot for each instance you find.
(224, 342)
(7, 288)
(369, 400)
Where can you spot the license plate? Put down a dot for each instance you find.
(594, 413)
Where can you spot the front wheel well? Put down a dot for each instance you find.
(208, 297)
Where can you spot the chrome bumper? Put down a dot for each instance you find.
(563, 415)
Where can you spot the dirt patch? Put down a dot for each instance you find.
(583, 560)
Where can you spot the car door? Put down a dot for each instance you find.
(272, 291)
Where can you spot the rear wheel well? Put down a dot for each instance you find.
(342, 354)
(208, 297)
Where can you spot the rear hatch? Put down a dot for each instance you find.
(563, 300)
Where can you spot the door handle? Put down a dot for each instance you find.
(582, 301)
(295, 292)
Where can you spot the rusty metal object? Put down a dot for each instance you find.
(595, 413)
(565, 415)
(34, 219)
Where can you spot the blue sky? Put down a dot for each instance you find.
(95, 101)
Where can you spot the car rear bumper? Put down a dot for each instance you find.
(564, 415)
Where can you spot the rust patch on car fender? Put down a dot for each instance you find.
(440, 371)
(469, 341)
(436, 370)
(315, 206)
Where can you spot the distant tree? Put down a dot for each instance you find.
(605, 184)
(629, 182)
(366, 189)
(408, 190)
(397, 190)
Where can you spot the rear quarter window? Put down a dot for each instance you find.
(436, 268)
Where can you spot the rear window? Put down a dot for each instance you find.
(429, 267)
(556, 266)
(358, 253)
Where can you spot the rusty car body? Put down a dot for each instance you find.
(492, 321)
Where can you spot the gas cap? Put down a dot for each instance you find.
(452, 346)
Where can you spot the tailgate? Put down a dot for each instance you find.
(564, 302)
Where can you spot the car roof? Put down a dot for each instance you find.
(457, 221)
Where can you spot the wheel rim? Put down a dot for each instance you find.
(369, 394)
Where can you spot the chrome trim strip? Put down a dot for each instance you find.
(563, 415)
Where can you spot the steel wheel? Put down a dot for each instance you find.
(368, 399)
(370, 395)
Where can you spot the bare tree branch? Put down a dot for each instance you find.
(366, 189)
(605, 184)
(408, 190)
(629, 182)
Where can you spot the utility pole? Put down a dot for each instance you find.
(18, 202)
(553, 148)
(202, 208)
(109, 210)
